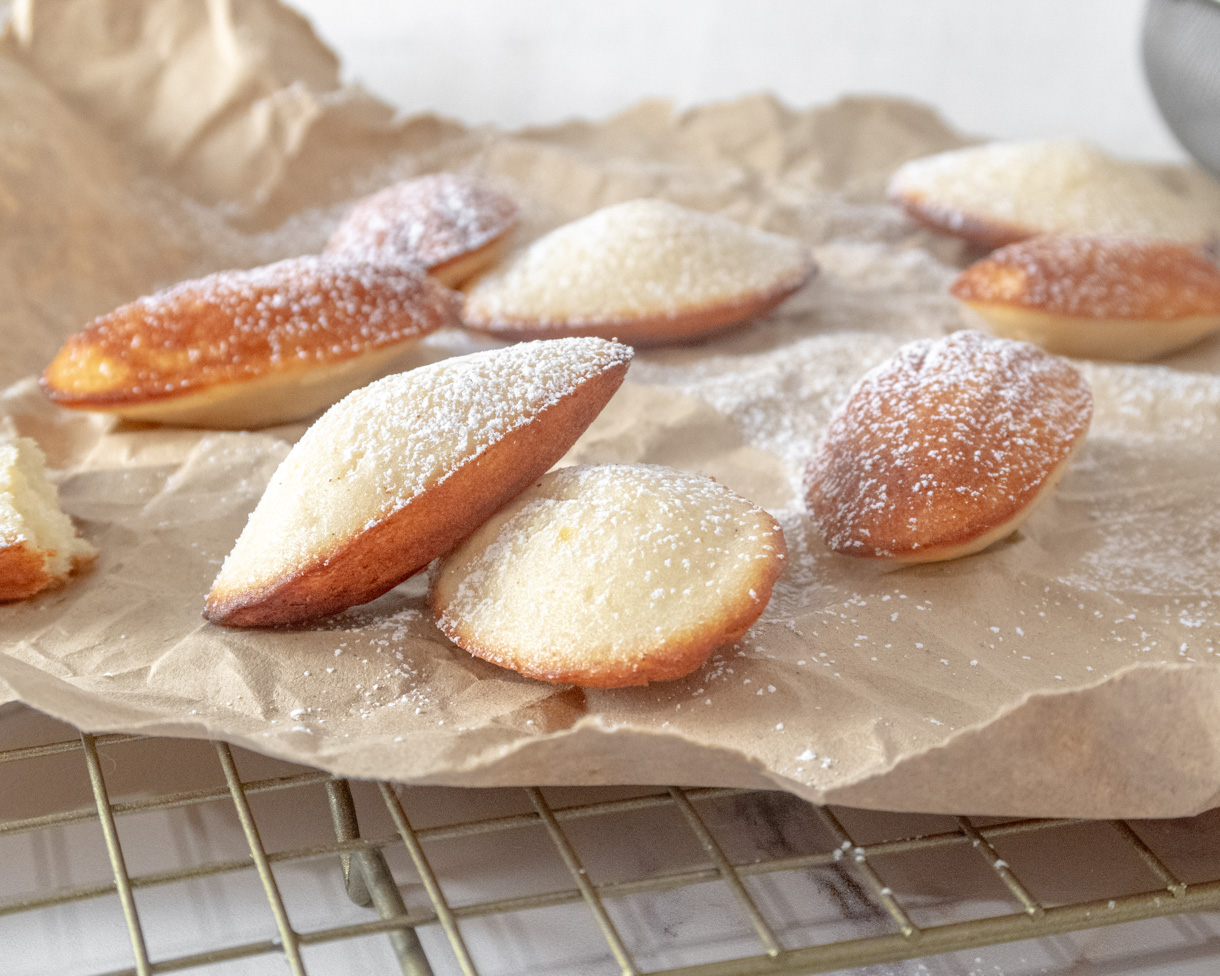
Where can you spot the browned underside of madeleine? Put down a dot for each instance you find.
(23, 571)
(430, 525)
(248, 384)
(977, 230)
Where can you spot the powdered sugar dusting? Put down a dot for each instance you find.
(640, 259)
(380, 447)
(1152, 404)
(1096, 277)
(943, 442)
(426, 221)
(782, 385)
(1055, 186)
(863, 664)
(238, 325)
(1154, 530)
(604, 569)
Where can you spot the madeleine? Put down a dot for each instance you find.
(945, 448)
(610, 575)
(451, 226)
(249, 348)
(647, 272)
(401, 471)
(1004, 192)
(1096, 297)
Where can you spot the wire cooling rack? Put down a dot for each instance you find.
(858, 906)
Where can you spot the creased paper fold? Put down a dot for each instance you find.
(1069, 670)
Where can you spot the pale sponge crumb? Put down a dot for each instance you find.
(1007, 191)
(644, 262)
(610, 575)
(38, 543)
(402, 470)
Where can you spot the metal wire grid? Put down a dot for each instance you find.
(370, 882)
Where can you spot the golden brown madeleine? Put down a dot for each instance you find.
(646, 272)
(944, 448)
(39, 546)
(1004, 192)
(610, 575)
(401, 471)
(1096, 297)
(453, 226)
(248, 348)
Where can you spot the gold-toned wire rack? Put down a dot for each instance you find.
(364, 857)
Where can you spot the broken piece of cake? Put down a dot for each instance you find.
(39, 545)
(1004, 192)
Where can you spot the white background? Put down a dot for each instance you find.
(1006, 68)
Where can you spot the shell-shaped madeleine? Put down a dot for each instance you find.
(401, 471)
(1004, 192)
(645, 271)
(943, 449)
(248, 348)
(451, 225)
(610, 575)
(1096, 297)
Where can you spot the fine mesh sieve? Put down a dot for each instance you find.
(1182, 62)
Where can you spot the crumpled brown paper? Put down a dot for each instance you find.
(1069, 670)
